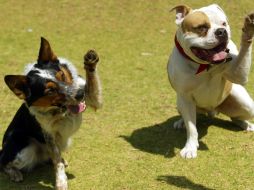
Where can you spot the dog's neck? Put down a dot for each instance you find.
(48, 112)
(201, 68)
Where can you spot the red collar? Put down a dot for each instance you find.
(201, 68)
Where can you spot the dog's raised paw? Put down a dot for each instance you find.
(249, 25)
(91, 58)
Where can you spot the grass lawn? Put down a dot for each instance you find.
(130, 144)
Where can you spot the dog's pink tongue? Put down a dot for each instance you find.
(220, 56)
(77, 108)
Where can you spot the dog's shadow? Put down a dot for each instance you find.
(40, 178)
(162, 138)
(182, 182)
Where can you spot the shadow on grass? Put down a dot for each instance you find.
(162, 138)
(40, 178)
(182, 182)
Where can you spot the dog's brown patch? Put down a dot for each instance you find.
(64, 75)
(197, 22)
(18, 84)
(51, 85)
(52, 97)
(183, 9)
(47, 101)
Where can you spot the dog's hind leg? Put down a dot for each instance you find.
(25, 159)
(93, 95)
(14, 173)
(239, 106)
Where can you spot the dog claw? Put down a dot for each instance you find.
(188, 152)
(15, 174)
(190, 149)
(179, 124)
(249, 25)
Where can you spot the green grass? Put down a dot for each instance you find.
(130, 143)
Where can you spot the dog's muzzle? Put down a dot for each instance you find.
(221, 34)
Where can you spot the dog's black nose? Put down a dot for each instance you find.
(80, 94)
(221, 33)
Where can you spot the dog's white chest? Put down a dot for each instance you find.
(62, 126)
(210, 92)
(207, 89)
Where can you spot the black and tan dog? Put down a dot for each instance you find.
(54, 98)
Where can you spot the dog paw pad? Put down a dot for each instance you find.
(249, 25)
(91, 57)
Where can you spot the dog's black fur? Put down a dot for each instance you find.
(22, 128)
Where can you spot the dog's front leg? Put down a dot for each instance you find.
(239, 69)
(55, 154)
(93, 96)
(187, 109)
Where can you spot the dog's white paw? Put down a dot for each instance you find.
(61, 184)
(248, 27)
(190, 150)
(179, 124)
(61, 178)
(250, 127)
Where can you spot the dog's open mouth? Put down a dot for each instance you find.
(215, 55)
(75, 109)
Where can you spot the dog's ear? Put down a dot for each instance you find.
(46, 54)
(181, 12)
(18, 85)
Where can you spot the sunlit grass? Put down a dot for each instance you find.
(130, 143)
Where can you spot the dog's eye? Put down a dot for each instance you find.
(224, 24)
(50, 91)
(201, 28)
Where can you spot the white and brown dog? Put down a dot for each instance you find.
(207, 71)
(54, 98)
